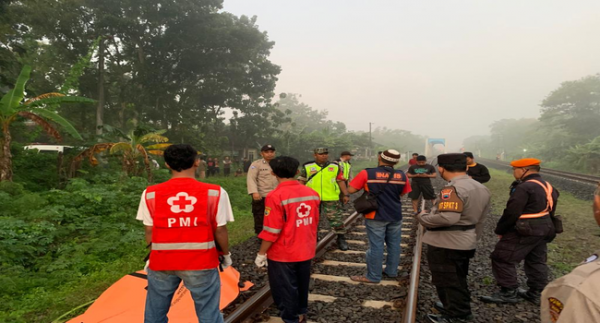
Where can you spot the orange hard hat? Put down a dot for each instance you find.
(525, 162)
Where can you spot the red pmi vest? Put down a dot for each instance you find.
(184, 214)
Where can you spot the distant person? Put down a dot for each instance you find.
(289, 239)
(211, 167)
(421, 175)
(246, 164)
(226, 167)
(477, 171)
(572, 298)
(454, 227)
(260, 181)
(384, 226)
(525, 228)
(327, 180)
(344, 162)
(239, 173)
(413, 160)
(165, 210)
(201, 171)
(217, 169)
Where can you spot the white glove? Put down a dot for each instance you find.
(147, 265)
(226, 261)
(261, 260)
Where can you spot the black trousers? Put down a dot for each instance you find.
(226, 171)
(289, 287)
(258, 211)
(449, 270)
(514, 248)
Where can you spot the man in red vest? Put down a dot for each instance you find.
(186, 222)
(289, 239)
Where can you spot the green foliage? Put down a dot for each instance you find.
(61, 248)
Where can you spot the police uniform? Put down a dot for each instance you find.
(324, 180)
(291, 223)
(574, 297)
(346, 167)
(525, 228)
(454, 226)
(260, 180)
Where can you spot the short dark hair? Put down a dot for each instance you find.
(454, 168)
(534, 167)
(180, 157)
(415, 154)
(421, 158)
(284, 166)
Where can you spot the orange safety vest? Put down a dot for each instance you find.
(184, 215)
(549, 201)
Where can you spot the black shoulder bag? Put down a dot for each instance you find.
(315, 174)
(367, 202)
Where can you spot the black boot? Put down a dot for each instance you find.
(341, 242)
(532, 295)
(504, 296)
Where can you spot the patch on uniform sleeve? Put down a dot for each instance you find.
(590, 259)
(555, 307)
(450, 201)
(252, 167)
(267, 211)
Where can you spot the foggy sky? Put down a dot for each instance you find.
(437, 68)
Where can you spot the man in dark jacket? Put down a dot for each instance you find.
(524, 230)
(477, 171)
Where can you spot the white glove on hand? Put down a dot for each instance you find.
(261, 260)
(226, 261)
(147, 265)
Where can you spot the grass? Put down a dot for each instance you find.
(45, 305)
(580, 238)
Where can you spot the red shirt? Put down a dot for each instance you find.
(291, 222)
(412, 161)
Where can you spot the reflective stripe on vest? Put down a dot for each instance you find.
(549, 201)
(268, 229)
(299, 199)
(325, 182)
(346, 169)
(184, 246)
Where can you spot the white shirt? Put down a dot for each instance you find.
(224, 211)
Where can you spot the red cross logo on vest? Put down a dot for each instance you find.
(182, 202)
(303, 210)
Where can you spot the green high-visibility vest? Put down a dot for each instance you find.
(325, 182)
(346, 168)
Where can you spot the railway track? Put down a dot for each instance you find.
(589, 179)
(336, 298)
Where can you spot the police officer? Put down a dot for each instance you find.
(260, 181)
(524, 230)
(344, 162)
(327, 179)
(573, 297)
(477, 171)
(454, 226)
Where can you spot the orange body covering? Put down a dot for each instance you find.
(125, 300)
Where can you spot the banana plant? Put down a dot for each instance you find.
(13, 105)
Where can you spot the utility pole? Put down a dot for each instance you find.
(370, 140)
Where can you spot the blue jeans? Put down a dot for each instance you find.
(380, 232)
(204, 285)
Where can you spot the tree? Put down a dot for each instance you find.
(131, 146)
(36, 110)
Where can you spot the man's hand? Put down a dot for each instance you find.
(256, 197)
(226, 262)
(346, 199)
(261, 260)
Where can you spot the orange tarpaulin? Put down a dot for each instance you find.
(125, 300)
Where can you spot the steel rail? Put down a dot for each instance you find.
(590, 179)
(410, 311)
(262, 299)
